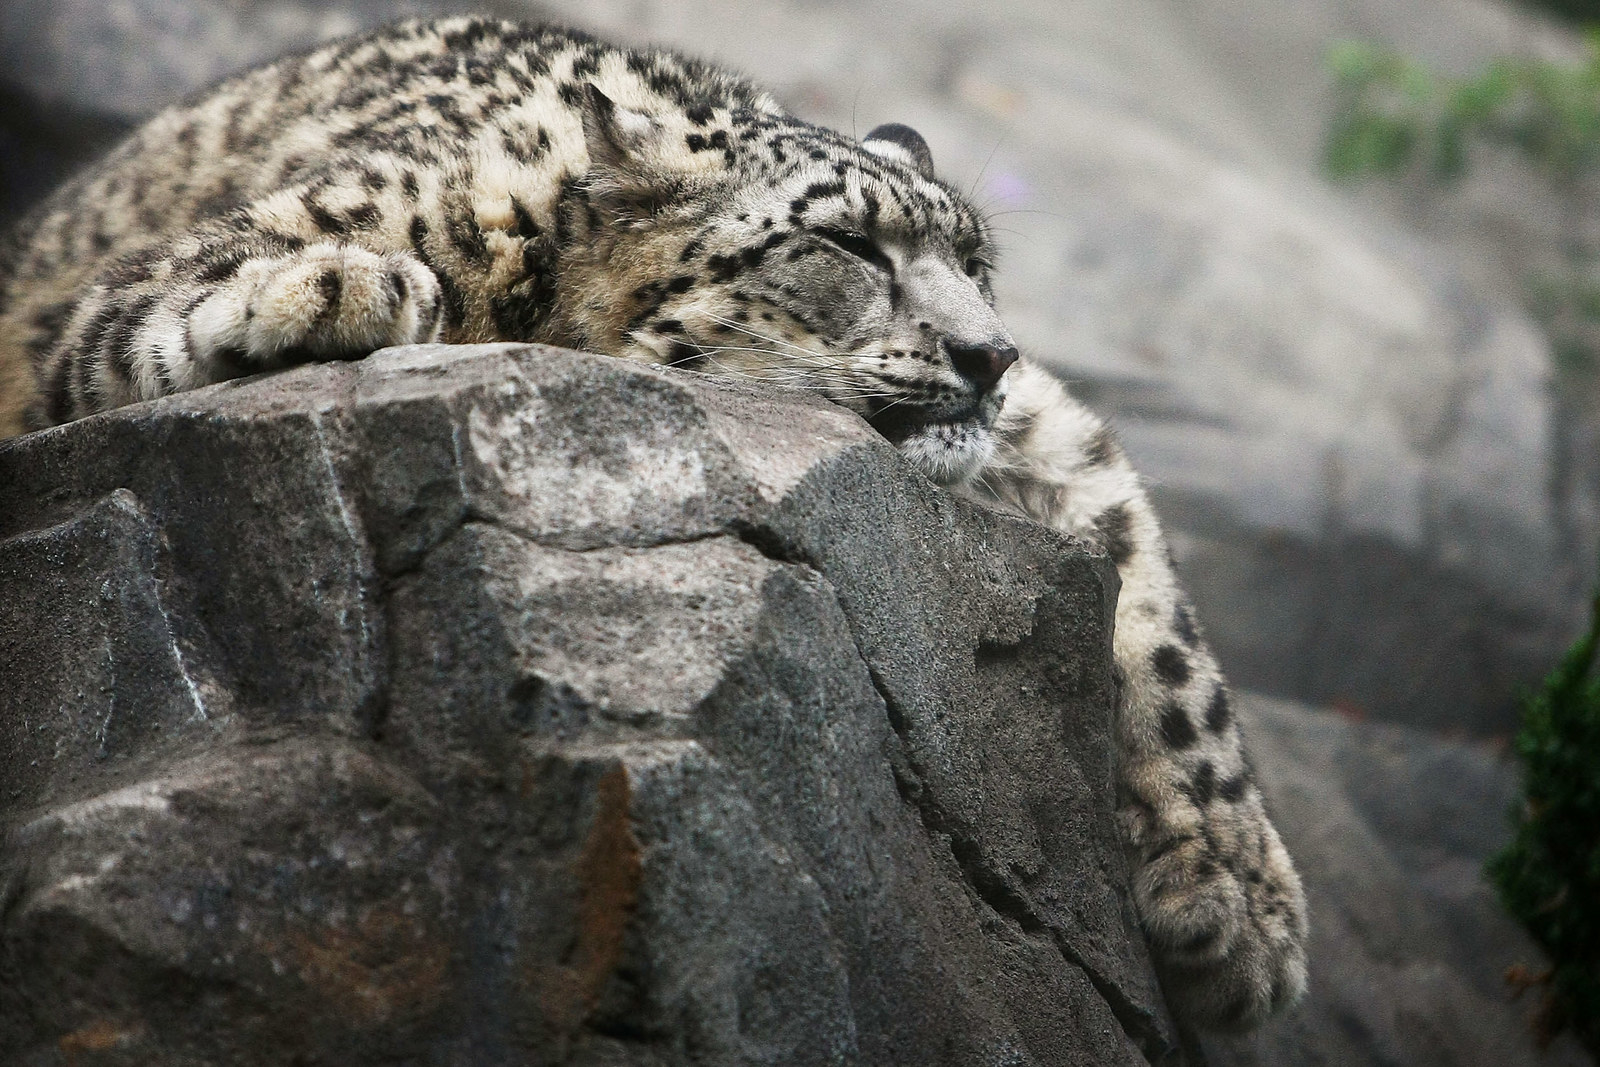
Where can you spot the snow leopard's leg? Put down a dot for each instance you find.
(224, 302)
(1218, 896)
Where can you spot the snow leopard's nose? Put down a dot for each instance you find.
(982, 365)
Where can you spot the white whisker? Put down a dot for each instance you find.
(758, 335)
(830, 375)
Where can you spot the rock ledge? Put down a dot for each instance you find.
(499, 704)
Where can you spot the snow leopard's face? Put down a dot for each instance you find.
(759, 247)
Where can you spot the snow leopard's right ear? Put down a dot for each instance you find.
(901, 144)
(634, 172)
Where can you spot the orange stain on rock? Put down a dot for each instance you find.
(384, 968)
(99, 1036)
(609, 871)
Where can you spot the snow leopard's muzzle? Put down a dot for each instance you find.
(981, 368)
(951, 437)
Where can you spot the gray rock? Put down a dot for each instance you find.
(1409, 948)
(507, 705)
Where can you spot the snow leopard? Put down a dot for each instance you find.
(474, 180)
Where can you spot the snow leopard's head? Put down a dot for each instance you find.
(742, 242)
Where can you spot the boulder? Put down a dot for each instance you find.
(500, 704)
(1409, 949)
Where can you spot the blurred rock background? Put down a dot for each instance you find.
(1374, 493)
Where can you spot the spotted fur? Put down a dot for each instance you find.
(476, 180)
(1217, 892)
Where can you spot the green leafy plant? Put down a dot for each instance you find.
(1393, 111)
(1396, 117)
(1548, 877)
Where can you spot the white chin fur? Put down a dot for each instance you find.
(949, 453)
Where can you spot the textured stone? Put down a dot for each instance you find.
(501, 704)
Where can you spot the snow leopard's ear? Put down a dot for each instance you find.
(901, 144)
(617, 136)
(631, 172)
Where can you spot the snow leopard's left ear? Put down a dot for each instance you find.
(637, 165)
(617, 136)
(901, 144)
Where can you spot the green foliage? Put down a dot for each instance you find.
(1394, 116)
(1387, 104)
(1393, 112)
(1549, 876)
(1568, 304)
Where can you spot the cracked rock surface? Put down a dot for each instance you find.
(500, 704)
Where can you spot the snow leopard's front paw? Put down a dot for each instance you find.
(323, 302)
(1222, 908)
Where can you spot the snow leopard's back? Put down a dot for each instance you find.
(437, 117)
